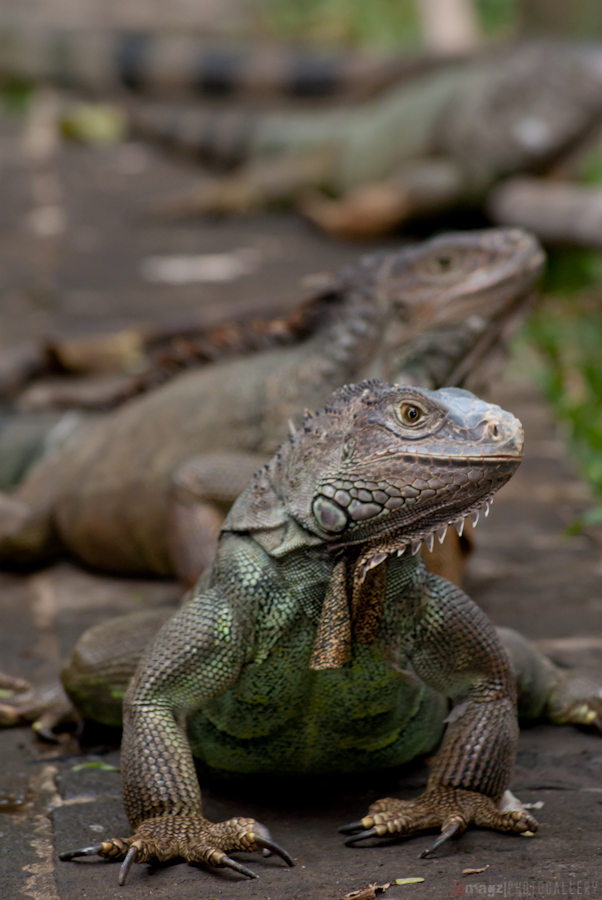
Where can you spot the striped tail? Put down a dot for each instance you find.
(186, 65)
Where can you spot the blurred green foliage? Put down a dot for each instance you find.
(591, 169)
(570, 271)
(15, 95)
(566, 331)
(382, 24)
(497, 17)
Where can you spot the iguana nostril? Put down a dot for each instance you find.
(493, 431)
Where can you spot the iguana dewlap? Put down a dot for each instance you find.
(146, 489)
(319, 643)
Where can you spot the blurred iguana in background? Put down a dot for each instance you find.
(449, 127)
(442, 140)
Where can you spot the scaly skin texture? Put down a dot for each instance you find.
(315, 647)
(146, 490)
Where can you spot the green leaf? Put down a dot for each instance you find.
(408, 880)
(103, 766)
(590, 517)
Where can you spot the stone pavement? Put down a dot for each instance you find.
(525, 573)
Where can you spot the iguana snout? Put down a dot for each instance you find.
(479, 423)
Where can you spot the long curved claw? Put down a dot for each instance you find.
(191, 837)
(352, 827)
(82, 851)
(445, 835)
(273, 847)
(45, 734)
(238, 867)
(449, 809)
(127, 864)
(371, 832)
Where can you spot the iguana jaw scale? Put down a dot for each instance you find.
(383, 552)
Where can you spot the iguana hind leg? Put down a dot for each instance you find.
(419, 188)
(563, 696)
(28, 532)
(27, 535)
(103, 662)
(267, 181)
(203, 490)
(94, 678)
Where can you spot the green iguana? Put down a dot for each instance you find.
(320, 644)
(445, 138)
(145, 489)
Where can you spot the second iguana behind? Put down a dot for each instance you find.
(145, 490)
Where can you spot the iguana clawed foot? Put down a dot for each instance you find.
(193, 838)
(45, 706)
(449, 809)
(576, 698)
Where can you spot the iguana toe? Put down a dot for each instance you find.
(449, 809)
(193, 838)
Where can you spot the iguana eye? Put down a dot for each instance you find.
(442, 263)
(410, 414)
(447, 263)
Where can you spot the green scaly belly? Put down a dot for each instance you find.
(281, 717)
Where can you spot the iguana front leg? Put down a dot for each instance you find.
(419, 188)
(454, 649)
(203, 490)
(195, 658)
(266, 181)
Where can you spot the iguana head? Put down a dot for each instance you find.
(450, 301)
(383, 466)
(525, 107)
(461, 268)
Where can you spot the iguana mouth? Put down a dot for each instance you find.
(474, 459)
(394, 548)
